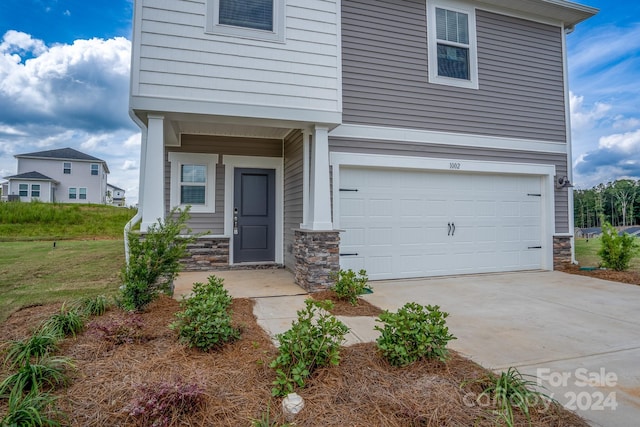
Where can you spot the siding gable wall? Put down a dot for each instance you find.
(385, 80)
(176, 60)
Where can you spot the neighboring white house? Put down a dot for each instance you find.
(63, 175)
(115, 195)
(409, 138)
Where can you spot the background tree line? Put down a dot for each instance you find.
(617, 202)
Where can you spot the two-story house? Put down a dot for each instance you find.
(62, 175)
(410, 138)
(115, 195)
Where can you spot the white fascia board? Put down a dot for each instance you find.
(298, 115)
(382, 133)
(232, 162)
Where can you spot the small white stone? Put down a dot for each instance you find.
(292, 405)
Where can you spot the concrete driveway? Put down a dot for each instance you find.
(579, 336)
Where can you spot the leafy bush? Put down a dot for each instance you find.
(47, 371)
(33, 409)
(159, 404)
(153, 259)
(616, 250)
(205, 321)
(313, 341)
(413, 333)
(40, 344)
(348, 285)
(66, 322)
(510, 390)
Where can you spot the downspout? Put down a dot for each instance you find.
(567, 31)
(138, 216)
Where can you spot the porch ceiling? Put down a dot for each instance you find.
(225, 129)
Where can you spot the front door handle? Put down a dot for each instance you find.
(235, 220)
(449, 232)
(453, 225)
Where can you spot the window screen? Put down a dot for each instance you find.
(257, 14)
(83, 193)
(23, 190)
(72, 193)
(94, 169)
(35, 190)
(66, 168)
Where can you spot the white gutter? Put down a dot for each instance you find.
(138, 216)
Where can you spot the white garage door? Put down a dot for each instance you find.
(404, 223)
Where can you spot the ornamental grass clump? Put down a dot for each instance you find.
(415, 332)
(31, 409)
(38, 345)
(205, 319)
(65, 323)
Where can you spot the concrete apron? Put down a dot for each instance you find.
(579, 337)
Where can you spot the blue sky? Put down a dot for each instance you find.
(64, 80)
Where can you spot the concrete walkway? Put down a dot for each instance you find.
(579, 337)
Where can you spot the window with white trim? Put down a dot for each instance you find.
(35, 190)
(257, 19)
(82, 193)
(94, 169)
(66, 168)
(73, 193)
(193, 181)
(451, 28)
(23, 190)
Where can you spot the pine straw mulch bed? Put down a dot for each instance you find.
(630, 277)
(363, 391)
(344, 308)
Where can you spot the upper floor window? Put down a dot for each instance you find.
(35, 190)
(94, 169)
(23, 190)
(66, 168)
(257, 19)
(452, 44)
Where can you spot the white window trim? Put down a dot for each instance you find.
(70, 168)
(39, 190)
(432, 46)
(75, 189)
(276, 35)
(209, 160)
(86, 195)
(97, 169)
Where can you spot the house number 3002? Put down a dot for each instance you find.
(454, 165)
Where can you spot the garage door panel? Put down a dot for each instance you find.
(398, 221)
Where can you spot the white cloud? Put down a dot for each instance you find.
(585, 117)
(18, 42)
(133, 141)
(624, 123)
(626, 142)
(129, 165)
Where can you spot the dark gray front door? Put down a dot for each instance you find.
(254, 215)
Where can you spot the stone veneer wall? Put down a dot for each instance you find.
(317, 255)
(207, 253)
(561, 251)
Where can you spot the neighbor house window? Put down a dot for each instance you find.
(452, 45)
(94, 169)
(82, 193)
(66, 168)
(261, 19)
(23, 190)
(193, 181)
(72, 193)
(35, 190)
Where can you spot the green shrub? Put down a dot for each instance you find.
(66, 322)
(616, 250)
(40, 344)
(33, 409)
(348, 285)
(205, 321)
(414, 332)
(154, 259)
(45, 372)
(313, 341)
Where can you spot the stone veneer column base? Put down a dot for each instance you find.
(561, 251)
(317, 255)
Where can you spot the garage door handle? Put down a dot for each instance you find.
(449, 232)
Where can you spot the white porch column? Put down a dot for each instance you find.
(306, 166)
(320, 195)
(152, 206)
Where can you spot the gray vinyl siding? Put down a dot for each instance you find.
(385, 74)
(293, 178)
(399, 148)
(213, 223)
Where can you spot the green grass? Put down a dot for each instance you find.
(587, 254)
(35, 272)
(55, 221)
